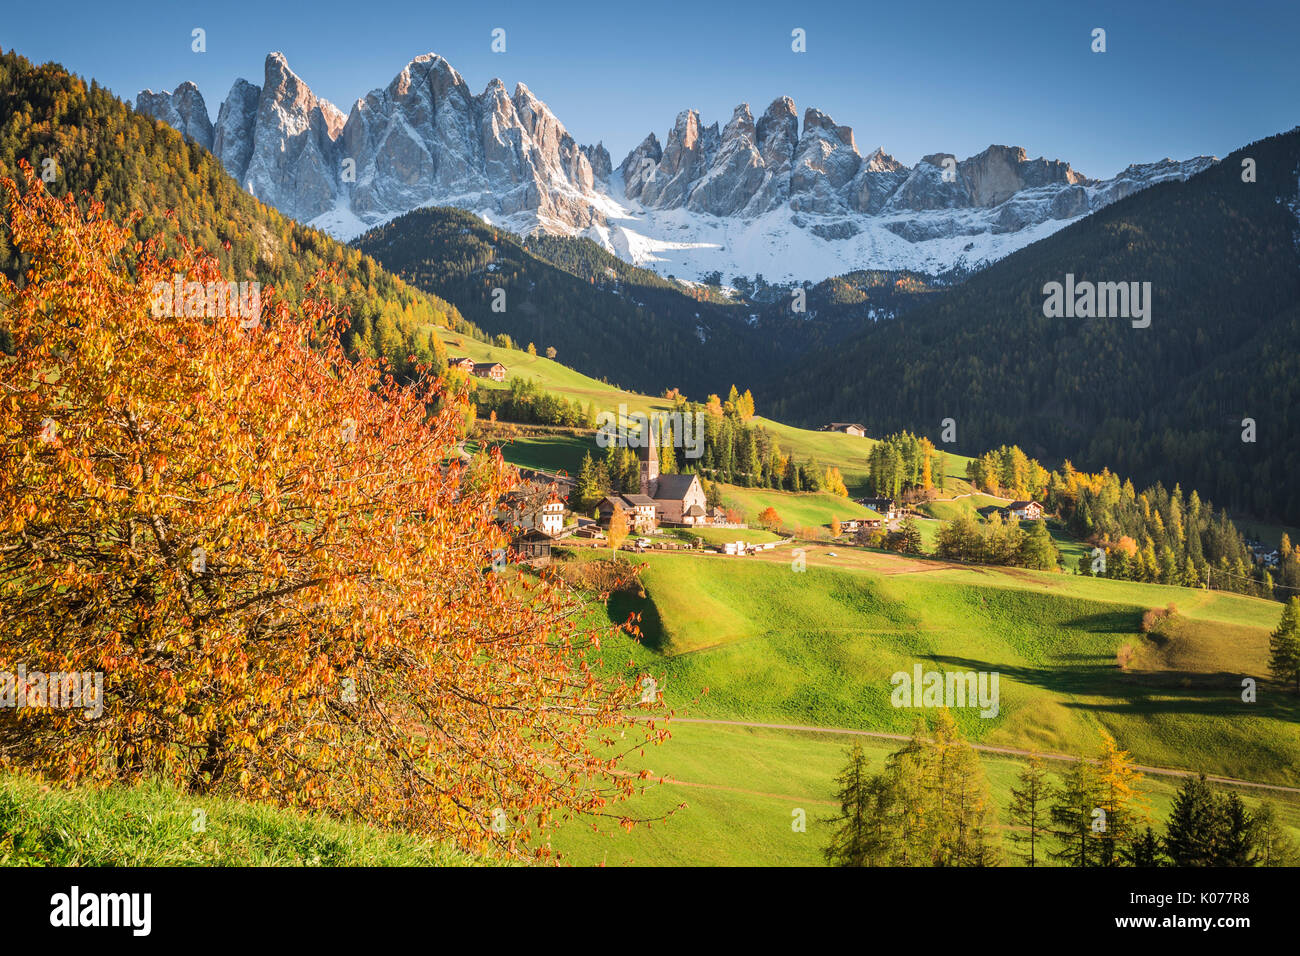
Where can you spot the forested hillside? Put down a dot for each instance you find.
(614, 321)
(640, 331)
(1163, 403)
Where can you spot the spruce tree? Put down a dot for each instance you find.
(1192, 829)
(1284, 646)
(1144, 850)
(1072, 814)
(1236, 843)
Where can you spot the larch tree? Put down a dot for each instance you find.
(1119, 798)
(1030, 798)
(617, 530)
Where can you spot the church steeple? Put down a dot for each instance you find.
(649, 457)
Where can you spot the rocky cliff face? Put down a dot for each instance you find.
(427, 139)
(182, 109)
(424, 138)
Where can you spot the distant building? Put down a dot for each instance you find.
(645, 513)
(680, 499)
(493, 370)
(532, 504)
(533, 545)
(885, 507)
(1025, 510)
(848, 428)
(464, 363)
(552, 514)
(640, 511)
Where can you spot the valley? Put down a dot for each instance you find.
(379, 514)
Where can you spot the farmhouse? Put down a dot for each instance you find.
(1025, 510)
(532, 505)
(464, 363)
(848, 428)
(493, 370)
(886, 507)
(641, 511)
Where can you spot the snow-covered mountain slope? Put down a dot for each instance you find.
(754, 197)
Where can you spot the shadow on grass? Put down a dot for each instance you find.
(653, 636)
(1216, 694)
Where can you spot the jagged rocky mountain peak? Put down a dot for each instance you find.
(742, 197)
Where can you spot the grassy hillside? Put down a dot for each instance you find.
(845, 452)
(751, 640)
(552, 376)
(797, 510)
(819, 647)
(155, 826)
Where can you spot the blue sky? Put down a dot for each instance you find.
(1179, 78)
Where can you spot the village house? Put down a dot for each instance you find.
(885, 507)
(533, 545)
(532, 506)
(1024, 510)
(640, 510)
(493, 370)
(464, 363)
(848, 428)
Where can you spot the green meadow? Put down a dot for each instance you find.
(752, 640)
(797, 510)
(731, 796)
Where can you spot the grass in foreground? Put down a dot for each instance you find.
(153, 825)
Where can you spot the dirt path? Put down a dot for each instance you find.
(1009, 751)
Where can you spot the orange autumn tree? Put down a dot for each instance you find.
(274, 559)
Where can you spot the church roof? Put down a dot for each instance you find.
(674, 487)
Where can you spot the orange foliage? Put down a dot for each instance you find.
(276, 562)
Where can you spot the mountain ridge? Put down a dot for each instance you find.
(705, 200)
